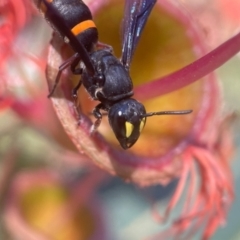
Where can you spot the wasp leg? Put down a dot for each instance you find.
(72, 61)
(75, 89)
(98, 115)
(77, 106)
(74, 69)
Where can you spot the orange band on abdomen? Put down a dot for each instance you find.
(82, 26)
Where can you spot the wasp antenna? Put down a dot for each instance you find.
(167, 113)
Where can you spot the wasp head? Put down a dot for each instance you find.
(127, 121)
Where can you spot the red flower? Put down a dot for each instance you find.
(186, 145)
(195, 147)
(40, 205)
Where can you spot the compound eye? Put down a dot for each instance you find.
(129, 129)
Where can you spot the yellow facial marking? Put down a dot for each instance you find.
(129, 129)
(142, 123)
(82, 26)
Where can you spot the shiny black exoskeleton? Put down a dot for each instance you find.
(105, 77)
(114, 91)
(116, 83)
(72, 13)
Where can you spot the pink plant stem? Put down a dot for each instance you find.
(179, 190)
(192, 184)
(191, 72)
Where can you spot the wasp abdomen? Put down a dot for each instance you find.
(71, 15)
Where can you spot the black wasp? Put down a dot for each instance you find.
(105, 77)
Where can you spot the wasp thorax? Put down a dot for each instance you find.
(127, 119)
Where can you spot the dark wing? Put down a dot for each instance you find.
(136, 13)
